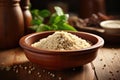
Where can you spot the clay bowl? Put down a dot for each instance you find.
(59, 60)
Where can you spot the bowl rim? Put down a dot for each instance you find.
(102, 24)
(24, 45)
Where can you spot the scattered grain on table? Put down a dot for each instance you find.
(117, 71)
(101, 59)
(33, 71)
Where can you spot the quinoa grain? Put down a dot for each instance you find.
(61, 40)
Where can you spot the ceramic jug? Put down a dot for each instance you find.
(11, 23)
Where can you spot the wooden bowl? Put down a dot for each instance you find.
(58, 60)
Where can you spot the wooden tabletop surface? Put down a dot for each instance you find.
(15, 66)
(107, 63)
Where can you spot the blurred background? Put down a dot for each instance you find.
(82, 8)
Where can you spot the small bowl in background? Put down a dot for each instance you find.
(58, 60)
(111, 26)
(112, 31)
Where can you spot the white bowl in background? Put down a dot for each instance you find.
(111, 26)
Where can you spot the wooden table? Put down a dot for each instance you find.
(106, 66)
(107, 63)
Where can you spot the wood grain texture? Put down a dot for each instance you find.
(107, 64)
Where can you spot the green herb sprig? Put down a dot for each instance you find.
(57, 20)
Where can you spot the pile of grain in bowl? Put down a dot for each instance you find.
(61, 40)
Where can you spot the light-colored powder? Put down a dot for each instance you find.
(61, 40)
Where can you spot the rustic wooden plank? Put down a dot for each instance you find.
(107, 64)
